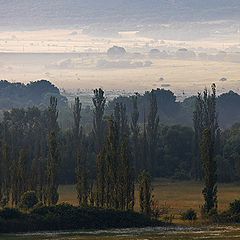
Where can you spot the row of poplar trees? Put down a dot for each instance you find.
(40, 133)
(32, 145)
(119, 158)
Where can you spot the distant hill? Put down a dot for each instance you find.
(30, 13)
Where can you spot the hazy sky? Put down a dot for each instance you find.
(66, 41)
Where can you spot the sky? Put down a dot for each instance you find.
(179, 45)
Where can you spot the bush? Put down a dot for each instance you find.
(28, 200)
(10, 213)
(234, 207)
(189, 215)
(67, 217)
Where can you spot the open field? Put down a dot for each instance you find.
(179, 196)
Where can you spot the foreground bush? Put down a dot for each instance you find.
(234, 207)
(68, 217)
(10, 213)
(232, 215)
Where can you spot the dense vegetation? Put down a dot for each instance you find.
(118, 151)
(67, 217)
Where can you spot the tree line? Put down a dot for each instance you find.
(118, 153)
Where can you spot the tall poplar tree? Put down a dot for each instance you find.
(145, 192)
(115, 181)
(197, 172)
(5, 175)
(152, 130)
(53, 161)
(81, 156)
(19, 177)
(208, 131)
(135, 134)
(99, 101)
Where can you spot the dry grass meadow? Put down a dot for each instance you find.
(178, 196)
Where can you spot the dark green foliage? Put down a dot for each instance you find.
(18, 95)
(115, 177)
(135, 129)
(52, 171)
(5, 175)
(145, 193)
(189, 215)
(81, 156)
(19, 177)
(207, 142)
(231, 215)
(67, 217)
(210, 176)
(102, 161)
(99, 101)
(28, 200)
(152, 131)
(53, 160)
(10, 213)
(234, 207)
(176, 152)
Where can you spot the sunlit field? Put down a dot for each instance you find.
(178, 196)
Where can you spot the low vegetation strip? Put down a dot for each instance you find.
(68, 217)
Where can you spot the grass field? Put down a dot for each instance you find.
(179, 196)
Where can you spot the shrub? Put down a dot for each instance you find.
(234, 207)
(10, 213)
(68, 217)
(162, 211)
(189, 215)
(28, 200)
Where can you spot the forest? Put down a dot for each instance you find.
(120, 149)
